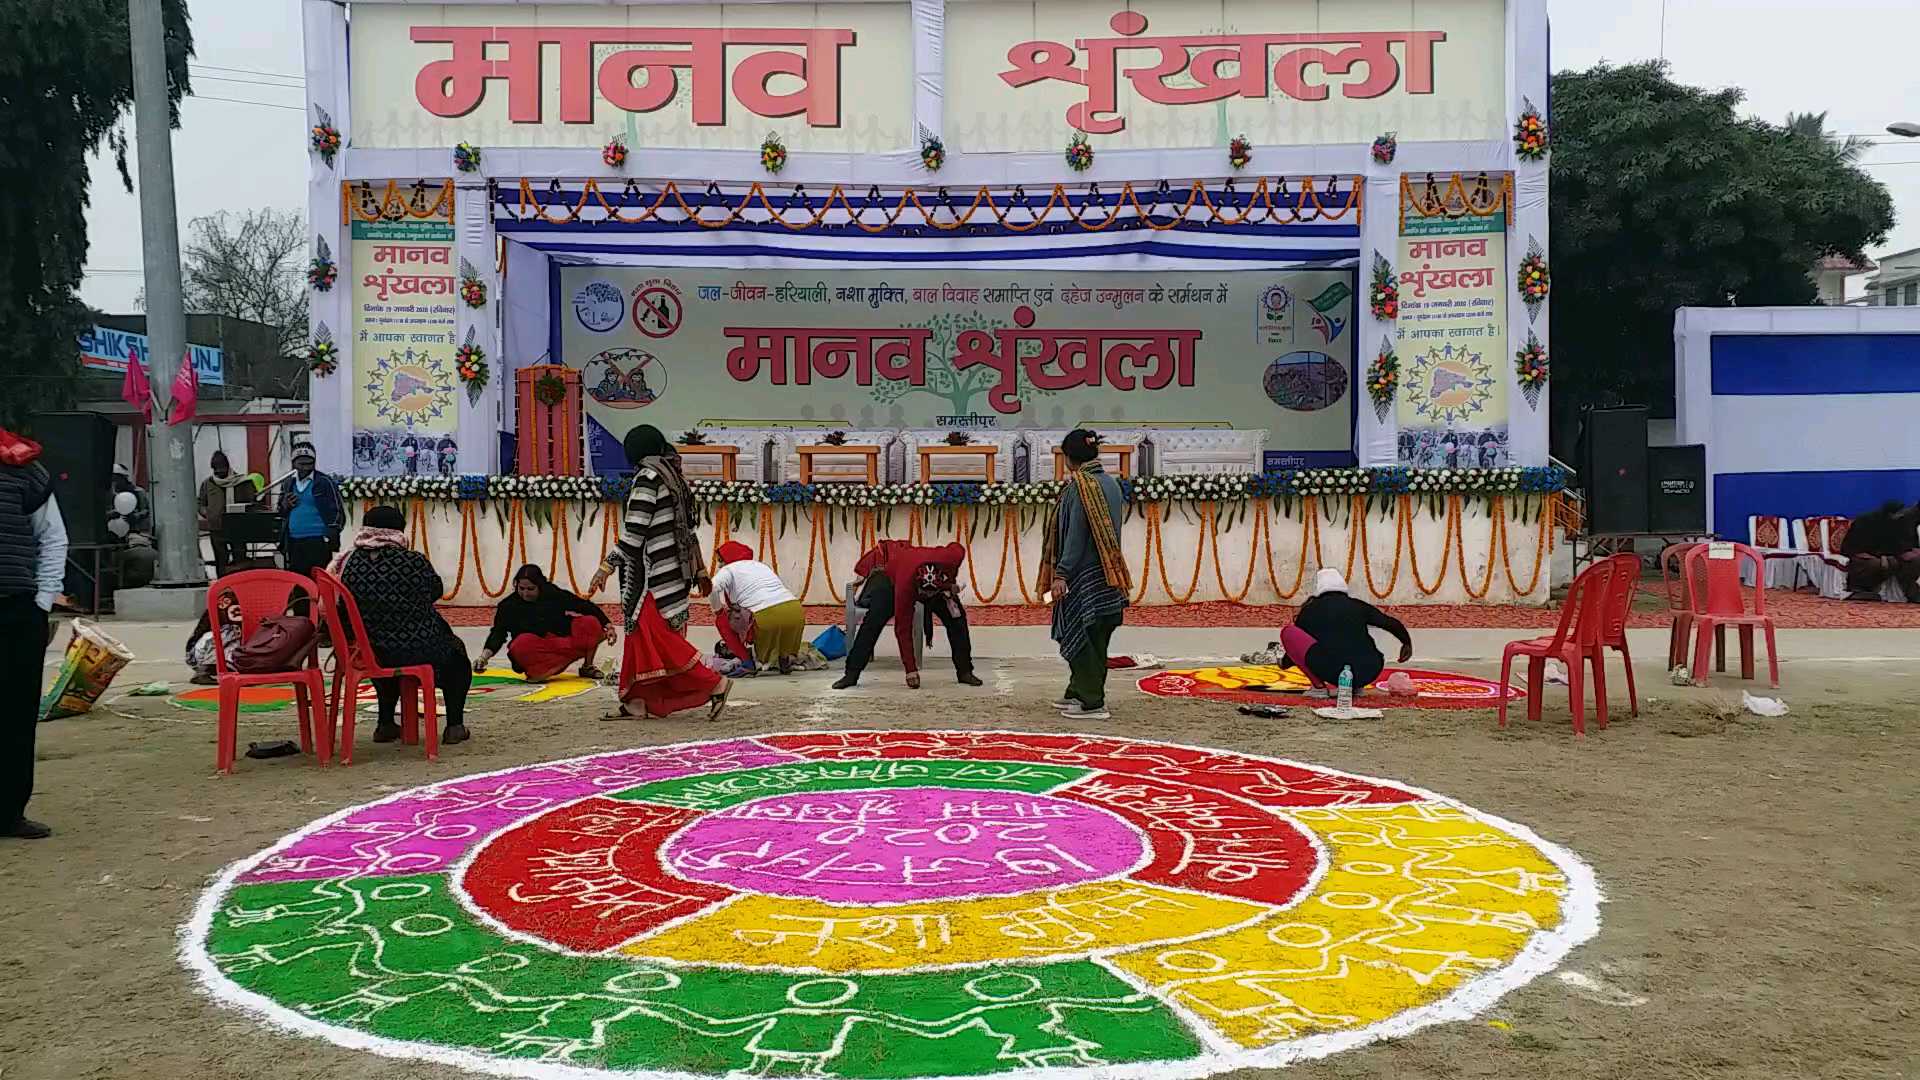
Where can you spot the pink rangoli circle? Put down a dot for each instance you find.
(881, 847)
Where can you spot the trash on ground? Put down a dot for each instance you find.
(1763, 706)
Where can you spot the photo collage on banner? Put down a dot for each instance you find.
(960, 349)
(404, 413)
(1453, 347)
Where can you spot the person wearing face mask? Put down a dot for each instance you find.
(551, 629)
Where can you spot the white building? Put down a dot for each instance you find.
(1831, 274)
(1898, 282)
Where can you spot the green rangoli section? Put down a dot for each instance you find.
(717, 791)
(398, 958)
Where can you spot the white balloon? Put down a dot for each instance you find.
(125, 503)
(118, 527)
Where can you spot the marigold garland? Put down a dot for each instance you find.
(1079, 152)
(773, 153)
(1239, 152)
(466, 157)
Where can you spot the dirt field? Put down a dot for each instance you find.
(1762, 876)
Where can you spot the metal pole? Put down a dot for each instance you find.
(169, 449)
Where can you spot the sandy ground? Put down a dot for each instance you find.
(1762, 876)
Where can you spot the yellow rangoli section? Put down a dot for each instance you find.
(765, 930)
(1417, 899)
(1239, 678)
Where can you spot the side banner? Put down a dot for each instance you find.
(403, 340)
(1453, 341)
(950, 349)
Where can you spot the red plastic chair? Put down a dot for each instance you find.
(1575, 643)
(1673, 578)
(1613, 620)
(1715, 595)
(354, 663)
(261, 593)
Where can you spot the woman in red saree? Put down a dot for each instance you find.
(658, 557)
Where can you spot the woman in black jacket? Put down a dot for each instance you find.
(398, 591)
(1331, 633)
(551, 628)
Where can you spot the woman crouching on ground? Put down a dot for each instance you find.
(1330, 634)
(551, 629)
(779, 621)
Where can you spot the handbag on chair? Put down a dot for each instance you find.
(278, 643)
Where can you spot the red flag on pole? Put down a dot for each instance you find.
(186, 391)
(134, 389)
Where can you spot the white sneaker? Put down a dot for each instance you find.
(1081, 712)
(1065, 703)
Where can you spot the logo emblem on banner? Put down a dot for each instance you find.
(1449, 385)
(1306, 381)
(599, 305)
(1326, 306)
(657, 310)
(409, 389)
(625, 378)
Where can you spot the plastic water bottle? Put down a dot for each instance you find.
(1344, 697)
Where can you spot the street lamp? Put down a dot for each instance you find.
(1906, 129)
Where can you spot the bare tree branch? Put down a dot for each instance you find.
(250, 266)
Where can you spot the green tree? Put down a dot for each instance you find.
(65, 84)
(1665, 196)
(956, 386)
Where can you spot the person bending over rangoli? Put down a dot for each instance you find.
(551, 629)
(897, 575)
(1330, 634)
(778, 621)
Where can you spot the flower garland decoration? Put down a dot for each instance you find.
(1240, 152)
(1530, 138)
(1079, 152)
(933, 152)
(325, 138)
(549, 390)
(773, 153)
(321, 272)
(473, 291)
(323, 356)
(1535, 280)
(1386, 147)
(1530, 368)
(466, 157)
(1383, 296)
(470, 363)
(614, 153)
(1383, 380)
(1209, 487)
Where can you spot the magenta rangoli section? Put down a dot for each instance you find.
(882, 847)
(428, 831)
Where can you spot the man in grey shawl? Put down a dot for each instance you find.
(1089, 579)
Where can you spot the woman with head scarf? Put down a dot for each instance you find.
(658, 559)
(397, 591)
(1330, 634)
(776, 620)
(550, 629)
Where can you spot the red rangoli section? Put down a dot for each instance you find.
(1267, 783)
(1204, 841)
(588, 876)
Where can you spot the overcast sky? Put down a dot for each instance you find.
(1859, 60)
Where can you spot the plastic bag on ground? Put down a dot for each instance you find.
(1763, 706)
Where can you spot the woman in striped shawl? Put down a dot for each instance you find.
(658, 557)
(1087, 576)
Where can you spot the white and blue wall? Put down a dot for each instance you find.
(1803, 411)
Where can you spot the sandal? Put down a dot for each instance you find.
(593, 674)
(718, 702)
(623, 714)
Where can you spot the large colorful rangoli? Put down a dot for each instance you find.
(890, 904)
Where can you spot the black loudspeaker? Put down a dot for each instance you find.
(1676, 489)
(77, 449)
(1615, 470)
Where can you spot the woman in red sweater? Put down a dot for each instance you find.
(898, 575)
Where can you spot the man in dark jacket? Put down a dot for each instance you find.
(33, 558)
(1881, 545)
(313, 515)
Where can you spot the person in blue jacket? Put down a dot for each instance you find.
(312, 515)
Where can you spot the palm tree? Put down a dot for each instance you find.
(1846, 149)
